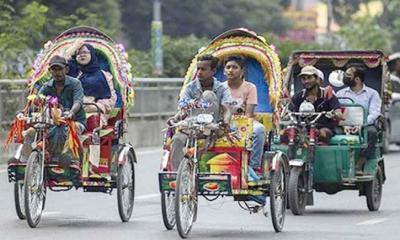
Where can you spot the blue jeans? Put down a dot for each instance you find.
(258, 145)
(257, 148)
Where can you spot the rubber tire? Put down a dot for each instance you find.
(35, 156)
(278, 226)
(17, 201)
(386, 145)
(125, 217)
(179, 226)
(168, 225)
(297, 206)
(373, 200)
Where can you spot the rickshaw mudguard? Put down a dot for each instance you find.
(275, 159)
(297, 162)
(123, 153)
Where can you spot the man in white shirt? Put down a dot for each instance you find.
(367, 97)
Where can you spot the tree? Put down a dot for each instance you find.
(206, 18)
(105, 15)
(390, 20)
(365, 33)
(19, 31)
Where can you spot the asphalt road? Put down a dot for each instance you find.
(79, 215)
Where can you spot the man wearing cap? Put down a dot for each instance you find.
(319, 97)
(69, 93)
(67, 89)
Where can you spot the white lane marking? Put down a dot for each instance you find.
(3, 170)
(50, 213)
(372, 221)
(153, 195)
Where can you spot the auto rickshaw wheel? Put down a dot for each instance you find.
(386, 139)
(297, 191)
(168, 209)
(185, 198)
(19, 199)
(373, 191)
(35, 189)
(126, 187)
(277, 194)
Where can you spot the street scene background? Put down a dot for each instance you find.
(161, 37)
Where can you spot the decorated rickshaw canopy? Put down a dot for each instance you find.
(371, 58)
(262, 64)
(372, 61)
(112, 58)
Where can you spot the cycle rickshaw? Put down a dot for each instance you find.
(216, 167)
(330, 167)
(107, 161)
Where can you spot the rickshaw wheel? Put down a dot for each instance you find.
(277, 194)
(185, 198)
(35, 190)
(126, 188)
(19, 191)
(168, 209)
(297, 191)
(373, 191)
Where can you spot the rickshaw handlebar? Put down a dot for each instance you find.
(316, 115)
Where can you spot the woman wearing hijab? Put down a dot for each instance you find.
(97, 84)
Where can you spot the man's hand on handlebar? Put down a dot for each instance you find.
(68, 115)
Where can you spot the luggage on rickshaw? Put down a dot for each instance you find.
(330, 167)
(218, 167)
(106, 160)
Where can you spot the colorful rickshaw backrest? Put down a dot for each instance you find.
(373, 61)
(112, 58)
(262, 67)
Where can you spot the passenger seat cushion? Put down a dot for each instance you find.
(345, 140)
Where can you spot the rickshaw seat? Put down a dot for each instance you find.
(354, 116)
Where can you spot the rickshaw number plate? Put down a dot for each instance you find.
(94, 156)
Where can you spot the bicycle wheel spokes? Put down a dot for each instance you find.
(186, 198)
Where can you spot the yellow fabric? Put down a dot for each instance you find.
(245, 129)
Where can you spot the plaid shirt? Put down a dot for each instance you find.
(72, 93)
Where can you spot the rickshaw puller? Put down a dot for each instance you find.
(207, 88)
(69, 92)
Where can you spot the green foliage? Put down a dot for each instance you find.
(285, 48)
(179, 52)
(206, 18)
(141, 63)
(19, 31)
(365, 33)
(104, 15)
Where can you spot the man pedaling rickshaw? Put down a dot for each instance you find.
(205, 88)
(69, 92)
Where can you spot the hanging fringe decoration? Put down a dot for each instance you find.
(15, 132)
(73, 139)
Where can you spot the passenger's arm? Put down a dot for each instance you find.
(251, 101)
(226, 101)
(374, 109)
(249, 111)
(335, 105)
(69, 52)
